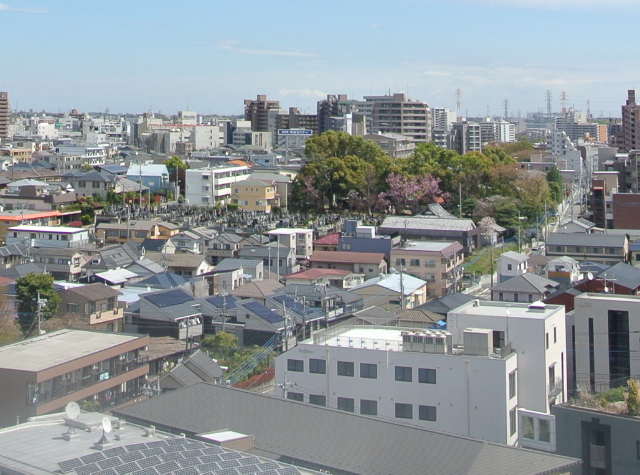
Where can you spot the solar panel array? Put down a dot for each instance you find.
(297, 307)
(169, 298)
(173, 457)
(263, 312)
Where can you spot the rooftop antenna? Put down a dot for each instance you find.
(106, 429)
(458, 96)
(72, 411)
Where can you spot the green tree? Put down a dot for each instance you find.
(555, 182)
(633, 404)
(9, 329)
(27, 289)
(86, 167)
(175, 162)
(221, 340)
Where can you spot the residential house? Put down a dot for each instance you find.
(437, 263)
(95, 304)
(524, 288)
(196, 368)
(10, 218)
(61, 264)
(48, 236)
(603, 248)
(129, 230)
(300, 240)
(153, 176)
(257, 290)
(278, 259)
(371, 264)
(185, 265)
(255, 195)
(223, 246)
(511, 264)
(13, 254)
(211, 185)
(393, 292)
(328, 242)
(337, 278)
(357, 238)
(115, 256)
(564, 270)
(165, 246)
(187, 241)
(437, 226)
(577, 225)
(90, 184)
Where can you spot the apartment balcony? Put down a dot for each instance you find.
(105, 316)
(555, 387)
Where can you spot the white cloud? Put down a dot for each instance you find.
(7, 8)
(236, 47)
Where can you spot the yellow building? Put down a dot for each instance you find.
(255, 195)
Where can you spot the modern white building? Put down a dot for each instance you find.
(419, 378)
(298, 239)
(536, 332)
(48, 236)
(210, 185)
(603, 340)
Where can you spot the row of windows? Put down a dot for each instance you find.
(416, 262)
(369, 407)
(367, 370)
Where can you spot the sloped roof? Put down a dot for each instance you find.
(580, 239)
(622, 274)
(257, 289)
(514, 256)
(164, 280)
(177, 260)
(527, 283)
(116, 276)
(347, 257)
(394, 282)
(317, 273)
(231, 263)
(346, 442)
(442, 305)
(95, 291)
(330, 239)
(420, 223)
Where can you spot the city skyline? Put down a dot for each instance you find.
(209, 56)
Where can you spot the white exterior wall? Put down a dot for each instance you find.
(47, 236)
(596, 307)
(471, 393)
(207, 186)
(517, 268)
(526, 330)
(205, 137)
(300, 240)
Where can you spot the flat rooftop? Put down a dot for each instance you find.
(484, 308)
(37, 447)
(426, 246)
(53, 349)
(48, 229)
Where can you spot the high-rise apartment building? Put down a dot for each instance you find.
(4, 115)
(332, 112)
(296, 120)
(258, 112)
(465, 137)
(630, 123)
(398, 114)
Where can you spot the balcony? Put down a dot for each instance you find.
(555, 387)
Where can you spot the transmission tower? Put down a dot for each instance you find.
(458, 96)
(563, 102)
(548, 104)
(506, 108)
(588, 110)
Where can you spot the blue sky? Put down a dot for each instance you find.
(209, 55)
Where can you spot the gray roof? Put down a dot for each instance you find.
(336, 440)
(442, 305)
(527, 283)
(515, 256)
(421, 223)
(579, 239)
(196, 369)
(622, 274)
(230, 264)
(165, 280)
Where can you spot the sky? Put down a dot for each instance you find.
(207, 55)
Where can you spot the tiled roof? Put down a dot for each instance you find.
(330, 239)
(316, 273)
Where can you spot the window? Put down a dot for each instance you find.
(545, 430)
(404, 411)
(346, 246)
(516, 297)
(414, 262)
(141, 234)
(430, 263)
(403, 373)
(527, 428)
(345, 404)
(369, 408)
(369, 371)
(530, 298)
(317, 366)
(512, 384)
(401, 262)
(498, 339)
(96, 184)
(345, 368)
(638, 449)
(546, 338)
(72, 308)
(427, 413)
(295, 396)
(427, 376)
(318, 400)
(501, 296)
(513, 420)
(555, 335)
(295, 365)
(509, 267)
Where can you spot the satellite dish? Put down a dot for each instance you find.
(590, 275)
(72, 410)
(106, 424)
